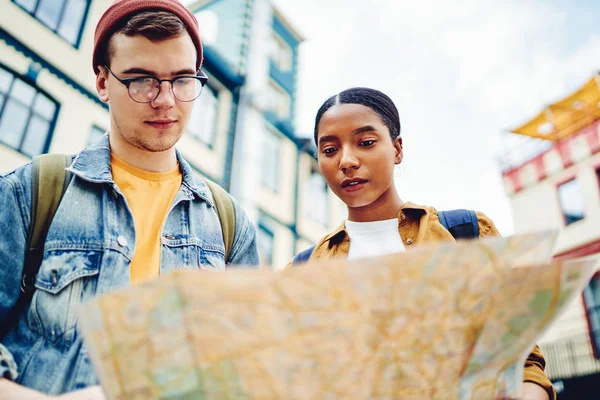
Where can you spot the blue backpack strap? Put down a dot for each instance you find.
(462, 224)
(303, 256)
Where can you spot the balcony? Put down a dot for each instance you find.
(518, 150)
(570, 357)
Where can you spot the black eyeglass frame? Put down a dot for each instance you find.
(201, 76)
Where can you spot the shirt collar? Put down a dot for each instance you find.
(93, 164)
(411, 210)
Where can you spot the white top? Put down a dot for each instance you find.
(372, 239)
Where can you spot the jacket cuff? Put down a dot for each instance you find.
(8, 367)
(540, 379)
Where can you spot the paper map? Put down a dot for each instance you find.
(447, 321)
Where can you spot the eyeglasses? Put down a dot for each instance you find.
(145, 89)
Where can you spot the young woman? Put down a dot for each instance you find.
(357, 133)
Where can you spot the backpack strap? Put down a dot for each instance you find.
(461, 223)
(49, 181)
(226, 214)
(303, 256)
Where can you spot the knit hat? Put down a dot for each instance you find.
(121, 9)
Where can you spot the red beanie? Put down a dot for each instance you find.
(125, 8)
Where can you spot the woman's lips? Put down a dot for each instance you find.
(353, 185)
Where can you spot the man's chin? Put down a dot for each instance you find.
(157, 145)
(162, 140)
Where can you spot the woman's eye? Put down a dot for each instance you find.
(329, 150)
(367, 143)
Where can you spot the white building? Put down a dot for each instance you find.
(241, 133)
(552, 178)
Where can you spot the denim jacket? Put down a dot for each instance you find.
(88, 251)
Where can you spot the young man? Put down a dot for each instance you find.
(133, 210)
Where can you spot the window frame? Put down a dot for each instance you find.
(281, 53)
(561, 184)
(274, 87)
(211, 145)
(62, 13)
(264, 229)
(95, 128)
(594, 331)
(51, 122)
(309, 193)
(274, 186)
(597, 173)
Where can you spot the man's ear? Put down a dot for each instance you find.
(398, 148)
(102, 85)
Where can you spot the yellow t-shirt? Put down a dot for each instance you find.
(149, 196)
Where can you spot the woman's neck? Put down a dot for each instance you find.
(385, 207)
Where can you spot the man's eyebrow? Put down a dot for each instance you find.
(188, 72)
(142, 71)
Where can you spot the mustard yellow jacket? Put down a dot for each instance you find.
(420, 224)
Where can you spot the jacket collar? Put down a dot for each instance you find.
(411, 210)
(93, 164)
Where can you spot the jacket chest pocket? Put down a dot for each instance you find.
(66, 278)
(211, 259)
(190, 253)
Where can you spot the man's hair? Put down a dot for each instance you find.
(377, 101)
(154, 25)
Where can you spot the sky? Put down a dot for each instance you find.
(461, 74)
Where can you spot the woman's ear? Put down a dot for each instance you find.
(398, 149)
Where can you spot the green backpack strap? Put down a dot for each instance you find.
(226, 214)
(49, 181)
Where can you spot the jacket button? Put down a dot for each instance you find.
(409, 241)
(122, 240)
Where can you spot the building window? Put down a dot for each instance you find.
(95, 134)
(280, 53)
(203, 121)
(278, 100)
(64, 17)
(571, 201)
(316, 201)
(26, 115)
(271, 154)
(591, 299)
(264, 241)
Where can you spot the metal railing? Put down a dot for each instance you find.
(570, 357)
(521, 150)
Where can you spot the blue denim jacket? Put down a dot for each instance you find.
(87, 253)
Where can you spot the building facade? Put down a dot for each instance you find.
(552, 179)
(241, 133)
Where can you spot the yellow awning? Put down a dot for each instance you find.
(566, 116)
